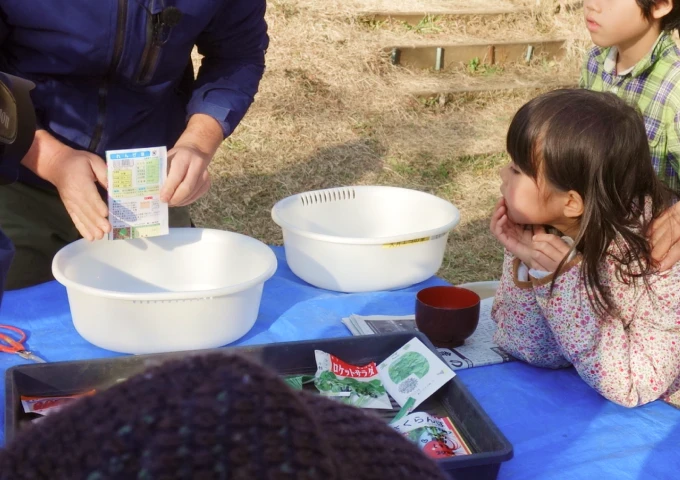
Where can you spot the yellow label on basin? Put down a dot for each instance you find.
(411, 242)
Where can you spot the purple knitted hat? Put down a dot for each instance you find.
(209, 417)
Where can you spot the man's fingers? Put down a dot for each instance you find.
(91, 221)
(101, 210)
(83, 223)
(88, 211)
(178, 170)
(201, 189)
(100, 170)
(192, 181)
(92, 207)
(80, 226)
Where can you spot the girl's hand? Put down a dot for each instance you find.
(548, 251)
(515, 238)
(664, 235)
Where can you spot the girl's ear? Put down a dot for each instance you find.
(661, 8)
(573, 207)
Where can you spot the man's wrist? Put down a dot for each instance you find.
(42, 157)
(203, 133)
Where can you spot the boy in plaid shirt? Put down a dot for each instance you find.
(636, 58)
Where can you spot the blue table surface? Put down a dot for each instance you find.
(559, 427)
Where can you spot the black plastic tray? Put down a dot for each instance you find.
(489, 445)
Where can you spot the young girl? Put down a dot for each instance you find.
(590, 295)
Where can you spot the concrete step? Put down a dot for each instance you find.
(445, 94)
(418, 18)
(439, 56)
(461, 10)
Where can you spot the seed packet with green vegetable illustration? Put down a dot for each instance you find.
(358, 386)
(436, 437)
(413, 371)
(296, 382)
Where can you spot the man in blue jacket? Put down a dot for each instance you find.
(117, 74)
(17, 128)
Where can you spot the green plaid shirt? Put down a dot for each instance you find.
(653, 85)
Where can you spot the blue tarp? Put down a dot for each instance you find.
(560, 428)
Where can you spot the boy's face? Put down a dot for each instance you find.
(615, 22)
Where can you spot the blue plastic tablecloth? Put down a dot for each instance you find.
(560, 428)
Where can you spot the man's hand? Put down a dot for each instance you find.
(664, 234)
(75, 181)
(188, 177)
(74, 173)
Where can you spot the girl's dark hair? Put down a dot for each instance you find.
(595, 144)
(670, 22)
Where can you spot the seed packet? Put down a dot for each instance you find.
(436, 437)
(49, 405)
(413, 371)
(352, 385)
(296, 382)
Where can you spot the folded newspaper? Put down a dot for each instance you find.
(478, 350)
(135, 180)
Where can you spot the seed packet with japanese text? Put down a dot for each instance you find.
(358, 386)
(48, 405)
(135, 179)
(413, 371)
(436, 437)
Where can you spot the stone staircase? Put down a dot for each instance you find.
(450, 55)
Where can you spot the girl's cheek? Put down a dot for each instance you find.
(509, 194)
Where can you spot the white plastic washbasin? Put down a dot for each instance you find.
(365, 238)
(192, 289)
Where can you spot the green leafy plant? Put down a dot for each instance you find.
(297, 381)
(473, 65)
(427, 24)
(476, 67)
(409, 363)
(330, 383)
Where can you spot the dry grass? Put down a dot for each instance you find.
(332, 111)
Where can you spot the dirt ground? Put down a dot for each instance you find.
(332, 111)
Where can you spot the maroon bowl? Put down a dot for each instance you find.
(447, 315)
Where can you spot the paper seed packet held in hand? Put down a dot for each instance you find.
(135, 179)
(415, 372)
(352, 385)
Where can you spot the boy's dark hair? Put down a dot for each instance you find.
(670, 22)
(595, 144)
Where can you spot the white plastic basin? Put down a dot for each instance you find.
(192, 289)
(365, 238)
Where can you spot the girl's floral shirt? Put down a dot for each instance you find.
(631, 359)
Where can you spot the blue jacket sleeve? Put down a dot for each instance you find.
(233, 46)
